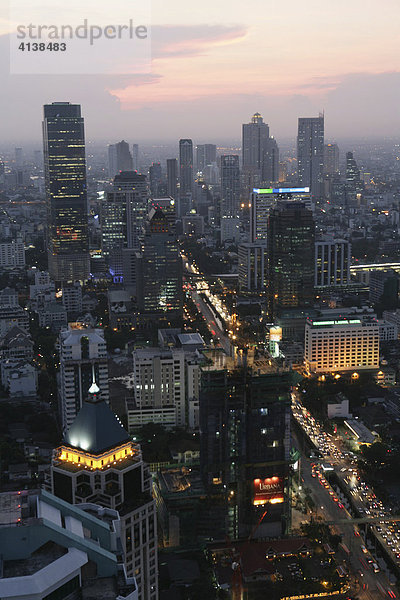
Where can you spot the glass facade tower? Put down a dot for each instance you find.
(65, 179)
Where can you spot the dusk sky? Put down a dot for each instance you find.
(217, 62)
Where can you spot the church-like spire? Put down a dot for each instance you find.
(94, 389)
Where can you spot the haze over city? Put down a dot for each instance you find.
(214, 64)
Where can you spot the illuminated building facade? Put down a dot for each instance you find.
(159, 264)
(65, 180)
(341, 345)
(291, 235)
(310, 154)
(331, 159)
(98, 463)
(82, 350)
(252, 264)
(245, 442)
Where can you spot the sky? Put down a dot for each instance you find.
(216, 62)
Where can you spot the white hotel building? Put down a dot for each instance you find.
(341, 345)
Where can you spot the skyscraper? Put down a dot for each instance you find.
(331, 159)
(135, 157)
(159, 265)
(119, 158)
(254, 138)
(97, 462)
(354, 184)
(206, 154)
(123, 213)
(65, 179)
(245, 442)
(185, 166)
(291, 235)
(332, 263)
(172, 177)
(155, 177)
(230, 185)
(310, 154)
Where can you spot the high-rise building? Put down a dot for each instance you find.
(384, 288)
(135, 157)
(252, 266)
(172, 177)
(291, 235)
(331, 159)
(354, 185)
(254, 138)
(19, 157)
(155, 178)
(270, 165)
(206, 154)
(123, 214)
(98, 463)
(65, 178)
(245, 442)
(230, 185)
(119, 158)
(159, 265)
(81, 351)
(341, 345)
(263, 200)
(332, 263)
(185, 166)
(162, 379)
(310, 154)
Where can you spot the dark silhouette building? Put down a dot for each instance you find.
(66, 199)
(291, 243)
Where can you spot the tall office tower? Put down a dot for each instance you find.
(119, 158)
(354, 185)
(310, 154)
(230, 185)
(331, 159)
(81, 351)
(206, 154)
(65, 179)
(135, 157)
(291, 235)
(255, 136)
(252, 267)
(172, 177)
(185, 166)
(261, 202)
(332, 263)
(159, 265)
(384, 288)
(155, 178)
(270, 164)
(123, 214)
(344, 345)
(98, 463)
(19, 157)
(245, 442)
(38, 158)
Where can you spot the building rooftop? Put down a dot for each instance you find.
(96, 429)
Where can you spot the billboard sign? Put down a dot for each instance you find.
(269, 490)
